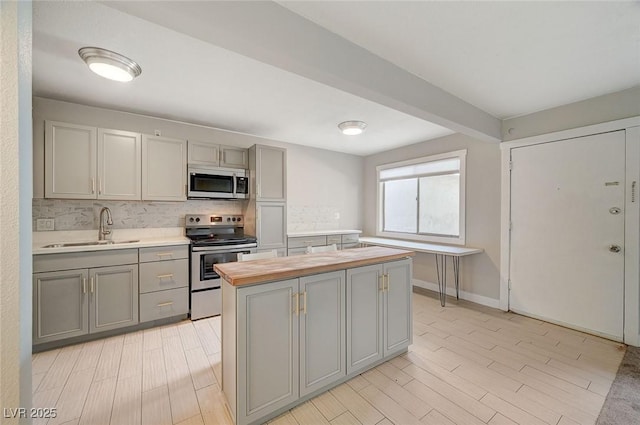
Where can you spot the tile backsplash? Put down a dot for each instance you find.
(84, 214)
(302, 218)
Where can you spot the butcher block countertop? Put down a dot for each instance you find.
(261, 271)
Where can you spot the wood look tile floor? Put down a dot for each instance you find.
(468, 365)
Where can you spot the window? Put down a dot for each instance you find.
(423, 199)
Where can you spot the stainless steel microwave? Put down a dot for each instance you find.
(217, 183)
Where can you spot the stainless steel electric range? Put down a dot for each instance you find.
(214, 239)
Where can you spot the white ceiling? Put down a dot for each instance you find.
(495, 59)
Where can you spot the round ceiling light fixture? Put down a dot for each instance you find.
(110, 64)
(352, 128)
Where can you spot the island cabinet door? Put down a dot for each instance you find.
(364, 316)
(397, 306)
(267, 367)
(322, 330)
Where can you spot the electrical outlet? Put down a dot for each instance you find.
(44, 224)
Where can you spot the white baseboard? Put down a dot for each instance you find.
(469, 296)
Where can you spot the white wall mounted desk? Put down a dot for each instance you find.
(441, 253)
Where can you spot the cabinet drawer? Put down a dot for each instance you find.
(163, 275)
(350, 238)
(161, 304)
(336, 239)
(350, 245)
(300, 242)
(161, 253)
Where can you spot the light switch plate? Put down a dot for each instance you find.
(44, 224)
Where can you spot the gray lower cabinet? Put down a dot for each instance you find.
(60, 305)
(267, 350)
(322, 330)
(290, 343)
(113, 297)
(75, 302)
(164, 282)
(379, 314)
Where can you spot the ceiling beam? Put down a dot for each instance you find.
(272, 34)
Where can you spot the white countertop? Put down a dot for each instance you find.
(454, 251)
(322, 232)
(146, 237)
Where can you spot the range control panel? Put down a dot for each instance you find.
(205, 220)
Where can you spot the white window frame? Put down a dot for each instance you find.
(453, 240)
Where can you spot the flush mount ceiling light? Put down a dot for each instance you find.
(352, 128)
(110, 64)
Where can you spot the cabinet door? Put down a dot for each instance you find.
(322, 330)
(164, 169)
(364, 316)
(271, 223)
(267, 368)
(233, 157)
(271, 173)
(119, 163)
(397, 306)
(70, 161)
(203, 153)
(60, 305)
(113, 297)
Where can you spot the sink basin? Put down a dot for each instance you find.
(65, 245)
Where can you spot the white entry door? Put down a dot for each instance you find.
(567, 237)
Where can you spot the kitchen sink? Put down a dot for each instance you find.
(94, 243)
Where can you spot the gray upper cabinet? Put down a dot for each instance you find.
(214, 155)
(113, 297)
(322, 330)
(203, 153)
(267, 362)
(232, 157)
(89, 163)
(269, 182)
(70, 161)
(119, 164)
(164, 169)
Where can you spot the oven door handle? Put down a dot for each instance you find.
(228, 248)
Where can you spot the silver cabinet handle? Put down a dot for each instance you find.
(633, 192)
(165, 276)
(84, 285)
(93, 185)
(91, 284)
(164, 254)
(168, 303)
(99, 186)
(615, 248)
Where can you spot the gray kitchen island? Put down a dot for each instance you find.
(294, 327)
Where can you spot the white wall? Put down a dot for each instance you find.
(320, 183)
(15, 206)
(480, 273)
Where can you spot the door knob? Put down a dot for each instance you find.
(615, 248)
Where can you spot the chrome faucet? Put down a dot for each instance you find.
(102, 232)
